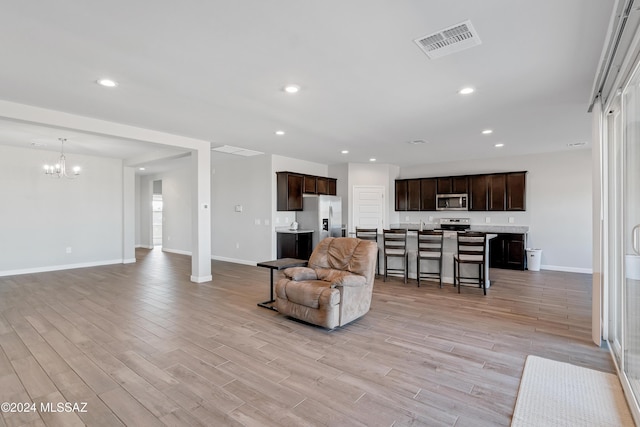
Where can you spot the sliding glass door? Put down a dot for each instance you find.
(631, 233)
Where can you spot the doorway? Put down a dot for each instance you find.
(368, 207)
(156, 212)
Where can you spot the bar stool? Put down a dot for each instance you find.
(395, 246)
(429, 249)
(471, 250)
(370, 234)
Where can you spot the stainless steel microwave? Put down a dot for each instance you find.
(451, 202)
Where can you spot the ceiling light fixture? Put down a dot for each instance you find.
(466, 90)
(141, 169)
(372, 159)
(59, 169)
(417, 142)
(292, 88)
(499, 145)
(107, 82)
(487, 132)
(345, 151)
(279, 132)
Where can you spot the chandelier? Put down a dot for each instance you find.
(59, 169)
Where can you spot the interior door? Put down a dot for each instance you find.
(368, 207)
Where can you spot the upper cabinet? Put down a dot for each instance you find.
(478, 192)
(488, 192)
(452, 185)
(289, 189)
(516, 191)
(291, 186)
(428, 194)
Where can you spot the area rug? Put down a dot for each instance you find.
(560, 394)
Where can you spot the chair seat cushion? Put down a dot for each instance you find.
(395, 252)
(469, 258)
(310, 293)
(424, 254)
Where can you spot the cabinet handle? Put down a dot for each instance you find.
(634, 239)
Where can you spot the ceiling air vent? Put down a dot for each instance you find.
(237, 151)
(450, 40)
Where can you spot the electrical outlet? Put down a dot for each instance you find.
(237, 245)
(256, 221)
(266, 222)
(511, 220)
(406, 218)
(238, 208)
(487, 219)
(430, 219)
(69, 250)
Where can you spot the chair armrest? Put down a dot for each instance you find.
(350, 280)
(300, 274)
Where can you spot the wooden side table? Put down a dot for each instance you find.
(279, 264)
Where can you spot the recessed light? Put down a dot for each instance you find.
(140, 169)
(417, 142)
(487, 132)
(107, 82)
(372, 159)
(576, 144)
(279, 132)
(345, 151)
(292, 88)
(499, 145)
(466, 90)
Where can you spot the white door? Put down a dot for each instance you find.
(368, 207)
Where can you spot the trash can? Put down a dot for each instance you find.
(533, 259)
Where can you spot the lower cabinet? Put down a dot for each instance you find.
(294, 245)
(507, 251)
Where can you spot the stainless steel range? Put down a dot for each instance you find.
(454, 224)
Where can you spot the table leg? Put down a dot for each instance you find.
(268, 304)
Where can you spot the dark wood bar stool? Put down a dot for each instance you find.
(370, 234)
(429, 250)
(471, 250)
(395, 246)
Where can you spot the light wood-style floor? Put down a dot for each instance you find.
(143, 346)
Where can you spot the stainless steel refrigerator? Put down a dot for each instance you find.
(323, 215)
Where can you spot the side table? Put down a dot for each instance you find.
(279, 264)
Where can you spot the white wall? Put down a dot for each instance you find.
(176, 212)
(243, 237)
(42, 216)
(558, 203)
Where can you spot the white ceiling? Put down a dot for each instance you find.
(214, 70)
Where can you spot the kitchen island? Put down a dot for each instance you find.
(449, 249)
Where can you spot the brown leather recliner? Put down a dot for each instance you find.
(335, 288)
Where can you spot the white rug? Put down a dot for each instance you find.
(560, 394)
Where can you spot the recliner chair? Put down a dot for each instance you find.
(335, 288)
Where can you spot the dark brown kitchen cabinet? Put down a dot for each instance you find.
(452, 185)
(294, 245)
(413, 194)
(323, 185)
(516, 191)
(428, 194)
(507, 251)
(310, 184)
(401, 194)
(497, 188)
(289, 189)
(332, 186)
(478, 186)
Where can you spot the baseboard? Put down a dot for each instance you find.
(567, 269)
(234, 260)
(201, 279)
(176, 251)
(60, 267)
(144, 247)
(129, 261)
